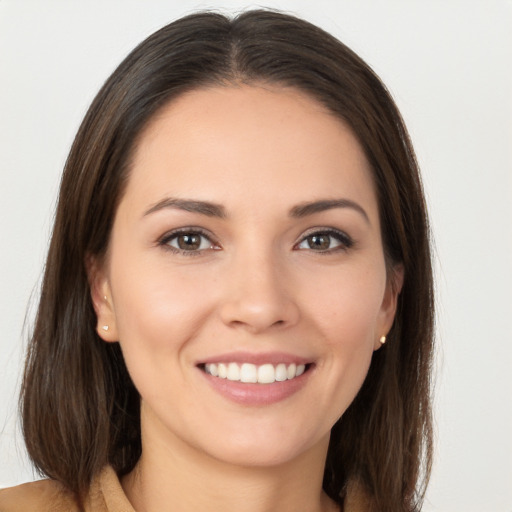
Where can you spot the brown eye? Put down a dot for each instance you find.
(325, 241)
(188, 242)
(319, 242)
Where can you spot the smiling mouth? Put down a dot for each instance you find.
(256, 374)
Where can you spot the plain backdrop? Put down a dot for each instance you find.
(448, 65)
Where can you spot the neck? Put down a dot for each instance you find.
(173, 476)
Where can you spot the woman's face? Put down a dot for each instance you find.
(246, 247)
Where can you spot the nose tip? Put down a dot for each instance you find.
(260, 301)
(256, 317)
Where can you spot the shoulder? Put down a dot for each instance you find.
(105, 494)
(41, 496)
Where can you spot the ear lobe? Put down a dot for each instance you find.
(389, 304)
(101, 297)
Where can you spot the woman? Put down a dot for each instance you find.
(237, 306)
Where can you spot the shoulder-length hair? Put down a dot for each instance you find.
(80, 409)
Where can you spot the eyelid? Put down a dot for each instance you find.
(164, 240)
(346, 241)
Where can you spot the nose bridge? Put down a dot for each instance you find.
(259, 295)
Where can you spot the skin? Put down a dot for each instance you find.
(256, 284)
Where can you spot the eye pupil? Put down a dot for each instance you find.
(189, 242)
(322, 242)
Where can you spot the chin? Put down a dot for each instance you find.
(267, 449)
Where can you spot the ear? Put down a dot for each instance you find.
(101, 296)
(387, 312)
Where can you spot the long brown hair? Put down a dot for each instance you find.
(80, 409)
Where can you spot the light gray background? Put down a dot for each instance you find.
(448, 65)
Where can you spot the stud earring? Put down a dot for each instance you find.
(382, 340)
(105, 327)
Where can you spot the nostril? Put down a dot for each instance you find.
(259, 311)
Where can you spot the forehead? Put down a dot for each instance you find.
(245, 140)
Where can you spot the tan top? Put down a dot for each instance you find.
(105, 495)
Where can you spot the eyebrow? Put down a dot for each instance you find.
(216, 210)
(305, 209)
(189, 205)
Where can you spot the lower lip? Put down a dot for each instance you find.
(257, 394)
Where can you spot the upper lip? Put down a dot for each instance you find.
(255, 358)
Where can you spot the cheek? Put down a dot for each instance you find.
(157, 308)
(347, 318)
(158, 312)
(346, 307)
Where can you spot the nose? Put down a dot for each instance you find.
(259, 296)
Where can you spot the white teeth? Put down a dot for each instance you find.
(233, 372)
(281, 373)
(247, 372)
(223, 371)
(266, 374)
(214, 370)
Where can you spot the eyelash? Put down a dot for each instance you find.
(165, 240)
(345, 241)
